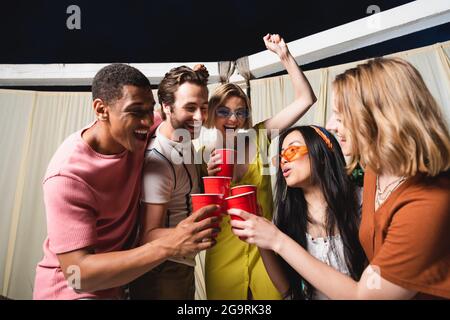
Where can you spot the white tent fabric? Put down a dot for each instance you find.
(17, 109)
(53, 116)
(35, 123)
(270, 95)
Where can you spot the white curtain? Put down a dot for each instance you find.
(35, 123)
(270, 95)
(16, 107)
(435, 72)
(53, 116)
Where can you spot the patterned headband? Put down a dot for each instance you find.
(323, 136)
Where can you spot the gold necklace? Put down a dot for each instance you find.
(380, 197)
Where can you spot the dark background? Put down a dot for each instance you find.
(181, 31)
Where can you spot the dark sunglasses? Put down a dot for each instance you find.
(224, 112)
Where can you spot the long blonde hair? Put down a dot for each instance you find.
(218, 98)
(394, 123)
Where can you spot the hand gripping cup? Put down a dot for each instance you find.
(220, 185)
(244, 201)
(228, 161)
(202, 200)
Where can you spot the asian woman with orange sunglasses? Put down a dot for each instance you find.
(387, 120)
(317, 206)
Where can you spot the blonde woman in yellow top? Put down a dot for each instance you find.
(234, 269)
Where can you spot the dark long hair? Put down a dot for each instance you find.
(327, 172)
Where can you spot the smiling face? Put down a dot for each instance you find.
(335, 124)
(130, 118)
(190, 108)
(232, 122)
(297, 173)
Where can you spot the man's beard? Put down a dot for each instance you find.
(179, 125)
(175, 123)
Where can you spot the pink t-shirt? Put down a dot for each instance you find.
(91, 199)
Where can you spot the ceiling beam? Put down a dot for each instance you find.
(81, 74)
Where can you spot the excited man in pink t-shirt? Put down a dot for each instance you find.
(91, 195)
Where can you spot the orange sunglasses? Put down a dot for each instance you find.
(290, 154)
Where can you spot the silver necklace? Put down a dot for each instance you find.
(381, 196)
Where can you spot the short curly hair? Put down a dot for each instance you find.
(109, 81)
(175, 78)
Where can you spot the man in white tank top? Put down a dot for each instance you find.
(169, 177)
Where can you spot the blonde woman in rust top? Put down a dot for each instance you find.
(386, 119)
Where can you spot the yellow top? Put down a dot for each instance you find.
(232, 266)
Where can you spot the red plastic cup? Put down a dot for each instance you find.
(220, 185)
(244, 201)
(244, 189)
(205, 199)
(228, 161)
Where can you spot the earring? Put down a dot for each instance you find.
(101, 117)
